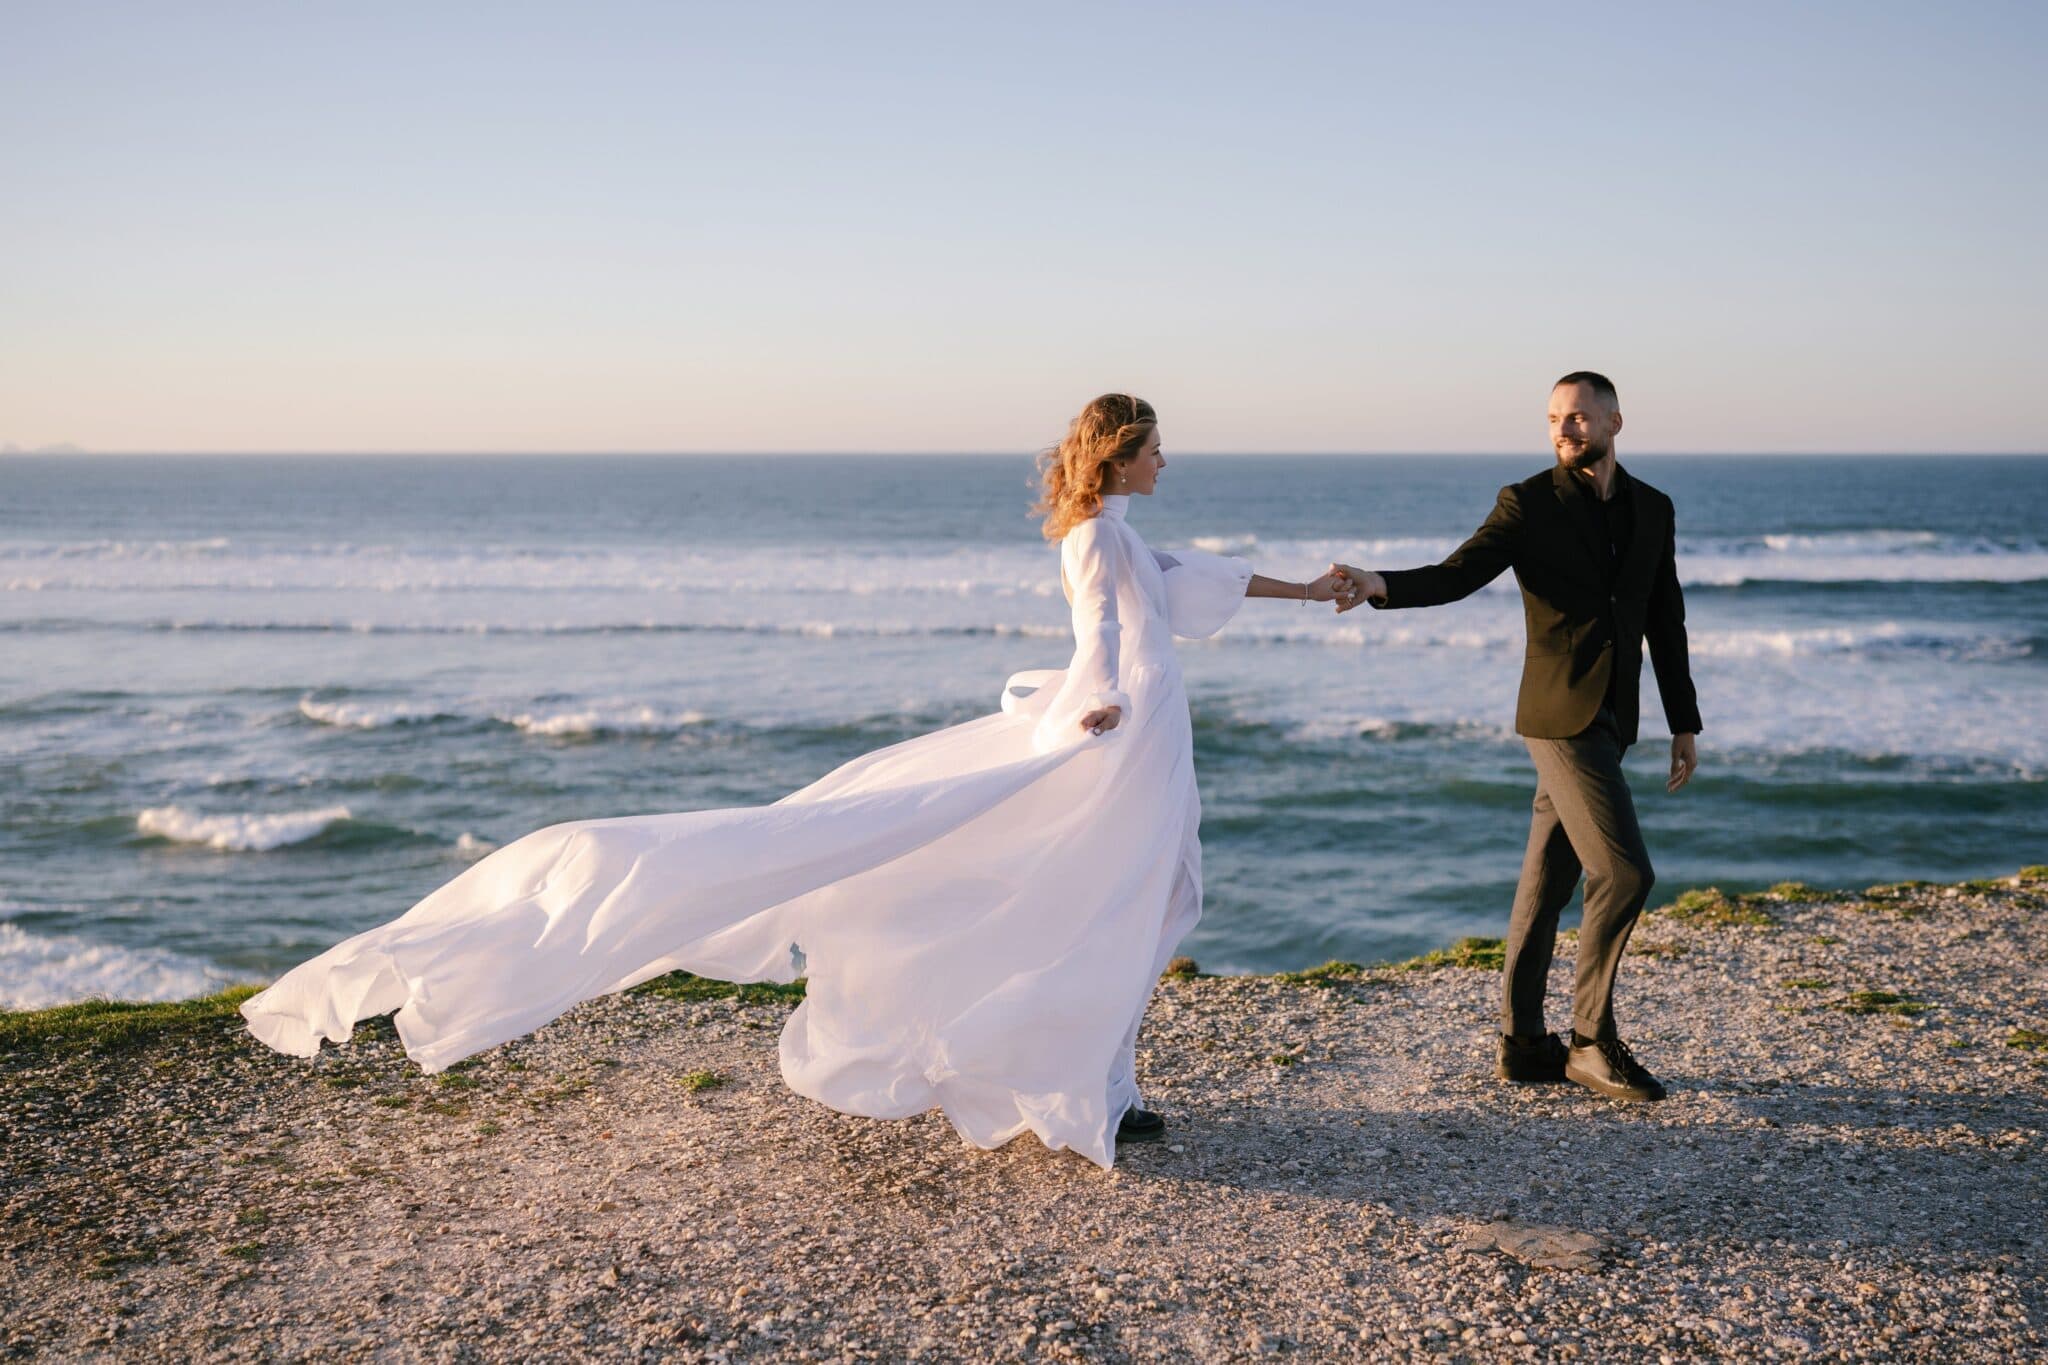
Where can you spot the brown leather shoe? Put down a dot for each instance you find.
(1610, 1068)
(1537, 1063)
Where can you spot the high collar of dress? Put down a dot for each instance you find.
(1116, 505)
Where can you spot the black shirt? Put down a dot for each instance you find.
(1618, 513)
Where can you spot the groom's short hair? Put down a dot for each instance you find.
(1598, 383)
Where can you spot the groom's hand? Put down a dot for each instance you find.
(1356, 585)
(1685, 761)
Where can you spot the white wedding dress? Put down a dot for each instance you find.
(981, 913)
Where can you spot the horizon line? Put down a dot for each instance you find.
(342, 453)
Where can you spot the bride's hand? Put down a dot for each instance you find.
(1324, 589)
(1356, 585)
(1102, 720)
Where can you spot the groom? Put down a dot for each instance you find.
(1592, 548)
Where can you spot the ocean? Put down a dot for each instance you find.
(250, 706)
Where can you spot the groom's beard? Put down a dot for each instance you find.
(1584, 456)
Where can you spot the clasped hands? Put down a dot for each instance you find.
(1351, 586)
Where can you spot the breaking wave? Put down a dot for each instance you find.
(238, 833)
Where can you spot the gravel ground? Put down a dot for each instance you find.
(1850, 1165)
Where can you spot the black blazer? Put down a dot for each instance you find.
(1583, 622)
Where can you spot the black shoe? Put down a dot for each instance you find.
(1610, 1068)
(1140, 1125)
(1537, 1063)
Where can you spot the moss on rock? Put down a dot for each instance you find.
(1711, 905)
(1329, 974)
(100, 1027)
(1480, 954)
(683, 986)
(1880, 1002)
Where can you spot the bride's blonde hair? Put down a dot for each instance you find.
(1112, 428)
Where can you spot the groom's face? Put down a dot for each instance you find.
(1582, 426)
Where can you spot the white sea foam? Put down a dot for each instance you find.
(238, 833)
(350, 715)
(1876, 639)
(1323, 729)
(602, 718)
(471, 846)
(114, 549)
(1239, 545)
(1726, 569)
(849, 591)
(40, 970)
(1852, 542)
(614, 720)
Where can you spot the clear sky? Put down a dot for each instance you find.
(1294, 227)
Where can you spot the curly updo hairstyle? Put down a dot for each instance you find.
(1111, 429)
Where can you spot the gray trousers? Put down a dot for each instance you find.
(1584, 821)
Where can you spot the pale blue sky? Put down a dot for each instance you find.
(619, 226)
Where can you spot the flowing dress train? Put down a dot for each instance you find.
(980, 913)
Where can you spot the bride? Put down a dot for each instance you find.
(980, 913)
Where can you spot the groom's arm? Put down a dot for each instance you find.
(1482, 558)
(1664, 632)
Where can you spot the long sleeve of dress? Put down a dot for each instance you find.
(1092, 564)
(1203, 590)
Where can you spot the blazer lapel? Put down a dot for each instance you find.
(1579, 507)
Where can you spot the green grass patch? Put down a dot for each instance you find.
(1905, 900)
(2038, 872)
(1986, 886)
(249, 1216)
(1647, 949)
(98, 1027)
(688, 988)
(1806, 983)
(2031, 1039)
(1329, 974)
(1798, 893)
(1886, 892)
(245, 1251)
(1480, 954)
(1710, 905)
(455, 1080)
(1880, 1002)
(1182, 967)
(1283, 1059)
(701, 1080)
